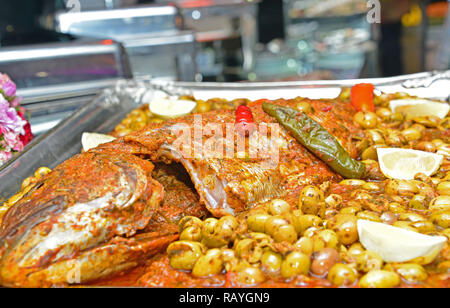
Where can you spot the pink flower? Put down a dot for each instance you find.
(15, 102)
(19, 146)
(9, 119)
(9, 88)
(11, 139)
(4, 156)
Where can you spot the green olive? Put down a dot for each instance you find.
(395, 139)
(189, 221)
(210, 236)
(366, 120)
(413, 217)
(446, 232)
(192, 233)
(444, 150)
(428, 121)
(379, 279)
(261, 238)
(443, 267)
(342, 275)
(352, 210)
(442, 219)
(345, 93)
(368, 261)
(437, 142)
(376, 136)
(352, 182)
(425, 146)
(295, 263)
(388, 217)
(249, 275)
(346, 229)
(209, 264)
(401, 188)
(271, 261)
(318, 243)
(184, 254)
(443, 188)
(226, 228)
(359, 195)
(421, 128)
(397, 208)
(362, 145)
(329, 237)
(355, 250)
(396, 117)
(441, 203)
(273, 223)
(424, 226)
(411, 272)
(368, 215)
(334, 201)
(285, 233)
(41, 172)
(303, 222)
(203, 106)
(278, 207)
(371, 186)
(405, 225)
(229, 259)
(418, 202)
(257, 222)
(371, 152)
(384, 113)
(304, 107)
(412, 134)
(305, 245)
(311, 200)
(249, 250)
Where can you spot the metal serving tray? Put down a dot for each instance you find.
(104, 112)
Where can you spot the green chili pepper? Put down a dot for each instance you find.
(317, 140)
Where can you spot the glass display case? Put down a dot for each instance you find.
(151, 34)
(335, 32)
(226, 34)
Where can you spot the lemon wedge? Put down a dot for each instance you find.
(168, 108)
(395, 244)
(93, 140)
(404, 164)
(420, 107)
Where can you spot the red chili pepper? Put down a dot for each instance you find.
(244, 121)
(326, 109)
(361, 97)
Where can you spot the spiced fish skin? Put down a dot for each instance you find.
(84, 214)
(237, 178)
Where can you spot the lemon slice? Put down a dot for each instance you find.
(419, 107)
(395, 244)
(404, 164)
(168, 108)
(93, 140)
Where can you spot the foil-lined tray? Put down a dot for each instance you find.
(107, 110)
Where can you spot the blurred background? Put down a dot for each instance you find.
(83, 44)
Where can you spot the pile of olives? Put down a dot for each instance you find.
(278, 241)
